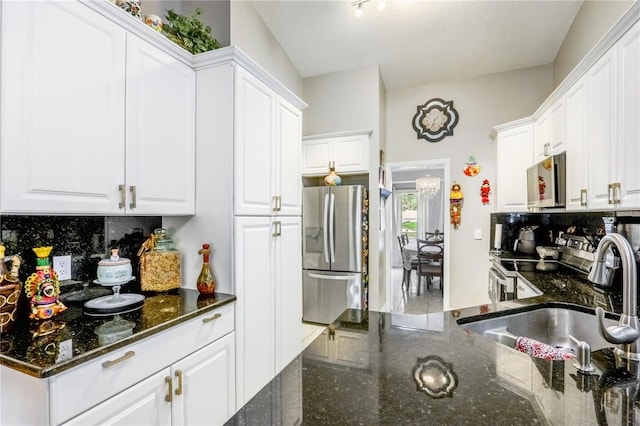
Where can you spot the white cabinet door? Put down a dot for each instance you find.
(146, 403)
(204, 385)
(628, 156)
(254, 155)
(315, 157)
(160, 132)
(289, 138)
(577, 146)
(63, 94)
(557, 131)
(288, 288)
(268, 265)
(255, 316)
(550, 132)
(602, 129)
(349, 152)
(514, 155)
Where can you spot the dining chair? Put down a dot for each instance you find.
(409, 263)
(430, 263)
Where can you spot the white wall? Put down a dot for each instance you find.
(251, 35)
(353, 100)
(482, 102)
(591, 23)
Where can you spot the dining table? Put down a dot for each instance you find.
(410, 250)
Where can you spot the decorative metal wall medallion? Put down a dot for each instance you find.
(435, 120)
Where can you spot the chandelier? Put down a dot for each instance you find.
(428, 186)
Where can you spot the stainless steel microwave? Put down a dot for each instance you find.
(546, 182)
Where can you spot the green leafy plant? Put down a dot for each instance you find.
(189, 32)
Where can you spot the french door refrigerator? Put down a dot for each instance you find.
(334, 219)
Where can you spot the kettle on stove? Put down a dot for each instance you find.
(526, 242)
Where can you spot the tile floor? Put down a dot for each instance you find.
(408, 301)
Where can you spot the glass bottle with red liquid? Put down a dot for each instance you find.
(206, 283)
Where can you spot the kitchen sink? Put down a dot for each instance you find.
(550, 325)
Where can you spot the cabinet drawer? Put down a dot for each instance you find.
(81, 388)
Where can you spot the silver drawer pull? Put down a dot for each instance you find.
(213, 318)
(111, 363)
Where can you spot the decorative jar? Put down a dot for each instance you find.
(160, 263)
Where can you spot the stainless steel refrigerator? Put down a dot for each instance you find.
(334, 222)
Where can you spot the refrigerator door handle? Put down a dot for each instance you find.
(333, 277)
(325, 218)
(332, 213)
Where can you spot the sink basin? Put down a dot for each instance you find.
(550, 325)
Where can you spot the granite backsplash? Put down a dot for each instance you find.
(550, 224)
(87, 239)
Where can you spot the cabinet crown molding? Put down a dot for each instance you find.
(337, 134)
(197, 62)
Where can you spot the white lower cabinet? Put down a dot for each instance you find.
(182, 375)
(268, 276)
(199, 389)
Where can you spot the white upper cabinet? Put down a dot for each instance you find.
(628, 155)
(90, 121)
(63, 95)
(601, 129)
(577, 177)
(160, 131)
(514, 147)
(349, 152)
(267, 133)
(549, 132)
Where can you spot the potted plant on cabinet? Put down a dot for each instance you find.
(189, 32)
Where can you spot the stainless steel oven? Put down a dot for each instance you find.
(502, 284)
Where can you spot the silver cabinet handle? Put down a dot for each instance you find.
(277, 203)
(547, 149)
(278, 228)
(583, 197)
(123, 197)
(213, 318)
(613, 194)
(111, 363)
(179, 376)
(133, 191)
(169, 396)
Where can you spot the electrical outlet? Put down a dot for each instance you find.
(62, 266)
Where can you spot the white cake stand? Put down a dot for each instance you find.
(116, 303)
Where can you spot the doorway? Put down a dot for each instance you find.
(413, 213)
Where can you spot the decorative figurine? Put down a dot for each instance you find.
(43, 288)
(332, 179)
(472, 168)
(485, 190)
(455, 199)
(206, 283)
(10, 288)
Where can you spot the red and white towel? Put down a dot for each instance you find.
(541, 350)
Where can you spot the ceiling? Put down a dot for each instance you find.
(415, 42)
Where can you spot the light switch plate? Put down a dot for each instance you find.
(62, 266)
(478, 234)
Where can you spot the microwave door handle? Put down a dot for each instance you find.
(325, 230)
(332, 214)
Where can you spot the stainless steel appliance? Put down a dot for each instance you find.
(546, 182)
(526, 242)
(332, 260)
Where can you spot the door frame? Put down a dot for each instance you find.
(445, 163)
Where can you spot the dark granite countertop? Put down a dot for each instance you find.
(73, 339)
(364, 368)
